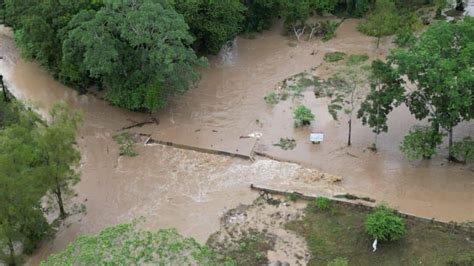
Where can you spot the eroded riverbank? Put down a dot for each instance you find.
(190, 190)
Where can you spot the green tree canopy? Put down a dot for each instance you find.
(141, 52)
(440, 78)
(261, 13)
(298, 11)
(38, 27)
(125, 244)
(440, 65)
(383, 21)
(21, 190)
(212, 22)
(386, 93)
(59, 156)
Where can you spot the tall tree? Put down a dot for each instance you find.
(386, 93)
(383, 21)
(344, 87)
(21, 219)
(440, 66)
(140, 52)
(261, 13)
(297, 12)
(38, 28)
(440, 79)
(213, 23)
(59, 155)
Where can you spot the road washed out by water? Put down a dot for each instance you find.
(190, 190)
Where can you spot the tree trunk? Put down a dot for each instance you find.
(450, 147)
(378, 42)
(4, 89)
(62, 212)
(350, 132)
(459, 5)
(435, 127)
(12, 252)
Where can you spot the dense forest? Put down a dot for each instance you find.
(142, 52)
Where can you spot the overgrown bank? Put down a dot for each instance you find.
(141, 54)
(38, 162)
(337, 232)
(281, 231)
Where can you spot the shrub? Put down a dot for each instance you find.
(125, 139)
(286, 144)
(303, 116)
(329, 29)
(271, 98)
(404, 37)
(421, 142)
(464, 149)
(356, 59)
(339, 262)
(384, 225)
(322, 203)
(294, 196)
(334, 56)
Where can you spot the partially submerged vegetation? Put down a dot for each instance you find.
(302, 116)
(140, 68)
(286, 144)
(334, 56)
(126, 141)
(440, 64)
(292, 87)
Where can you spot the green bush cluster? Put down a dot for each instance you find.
(334, 56)
(303, 116)
(322, 203)
(126, 142)
(384, 225)
(421, 142)
(464, 149)
(404, 37)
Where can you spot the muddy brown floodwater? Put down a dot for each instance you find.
(190, 190)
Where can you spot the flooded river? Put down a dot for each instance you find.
(190, 190)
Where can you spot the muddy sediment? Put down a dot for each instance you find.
(267, 216)
(190, 190)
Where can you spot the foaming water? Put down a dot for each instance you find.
(228, 53)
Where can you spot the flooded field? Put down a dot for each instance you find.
(190, 190)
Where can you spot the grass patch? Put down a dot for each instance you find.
(356, 59)
(334, 56)
(286, 144)
(125, 139)
(272, 98)
(250, 249)
(294, 196)
(340, 234)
